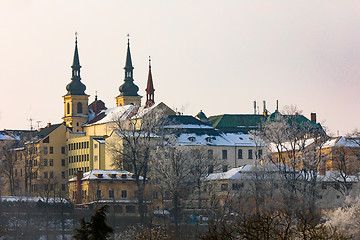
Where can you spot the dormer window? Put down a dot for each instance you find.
(113, 175)
(208, 139)
(100, 175)
(123, 176)
(191, 139)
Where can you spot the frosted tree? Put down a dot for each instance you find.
(294, 146)
(135, 137)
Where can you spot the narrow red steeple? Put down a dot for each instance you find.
(150, 89)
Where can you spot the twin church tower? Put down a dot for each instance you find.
(76, 100)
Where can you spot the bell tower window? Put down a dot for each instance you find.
(79, 107)
(68, 108)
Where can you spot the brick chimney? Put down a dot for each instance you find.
(79, 176)
(313, 117)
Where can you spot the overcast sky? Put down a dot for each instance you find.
(215, 56)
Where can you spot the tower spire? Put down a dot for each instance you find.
(76, 87)
(128, 90)
(150, 88)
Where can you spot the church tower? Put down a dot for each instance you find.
(150, 89)
(128, 90)
(76, 101)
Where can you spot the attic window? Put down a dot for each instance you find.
(241, 138)
(100, 175)
(191, 139)
(209, 139)
(113, 175)
(123, 175)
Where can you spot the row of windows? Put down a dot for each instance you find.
(79, 158)
(111, 193)
(72, 171)
(35, 187)
(240, 154)
(78, 145)
(51, 174)
(78, 106)
(50, 150)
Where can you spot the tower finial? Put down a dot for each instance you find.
(76, 34)
(150, 88)
(95, 95)
(128, 36)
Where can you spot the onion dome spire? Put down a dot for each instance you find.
(76, 87)
(128, 88)
(150, 88)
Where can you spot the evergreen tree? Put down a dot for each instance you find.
(83, 232)
(96, 228)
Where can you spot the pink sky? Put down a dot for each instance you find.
(215, 56)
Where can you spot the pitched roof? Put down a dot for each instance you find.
(7, 134)
(236, 122)
(47, 130)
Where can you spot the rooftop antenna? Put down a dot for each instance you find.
(31, 123)
(38, 124)
(277, 105)
(95, 95)
(254, 107)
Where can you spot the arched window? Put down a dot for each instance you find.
(68, 108)
(79, 107)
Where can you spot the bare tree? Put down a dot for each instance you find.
(294, 146)
(134, 139)
(9, 159)
(171, 173)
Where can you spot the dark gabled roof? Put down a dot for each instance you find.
(185, 119)
(189, 124)
(236, 122)
(47, 130)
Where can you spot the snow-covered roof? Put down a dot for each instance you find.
(107, 175)
(110, 114)
(246, 172)
(342, 142)
(31, 199)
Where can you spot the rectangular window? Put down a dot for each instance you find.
(62, 187)
(45, 174)
(63, 162)
(51, 150)
(51, 174)
(62, 150)
(51, 162)
(210, 169)
(260, 153)
(124, 194)
(45, 150)
(225, 168)
(95, 145)
(240, 154)
(224, 187)
(111, 193)
(155, 195)
(45, 162)
(87, 144)
(98, 193)
(250, 154)
(210, 154)
(63, 175)
(224, 154)
(95, 158)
